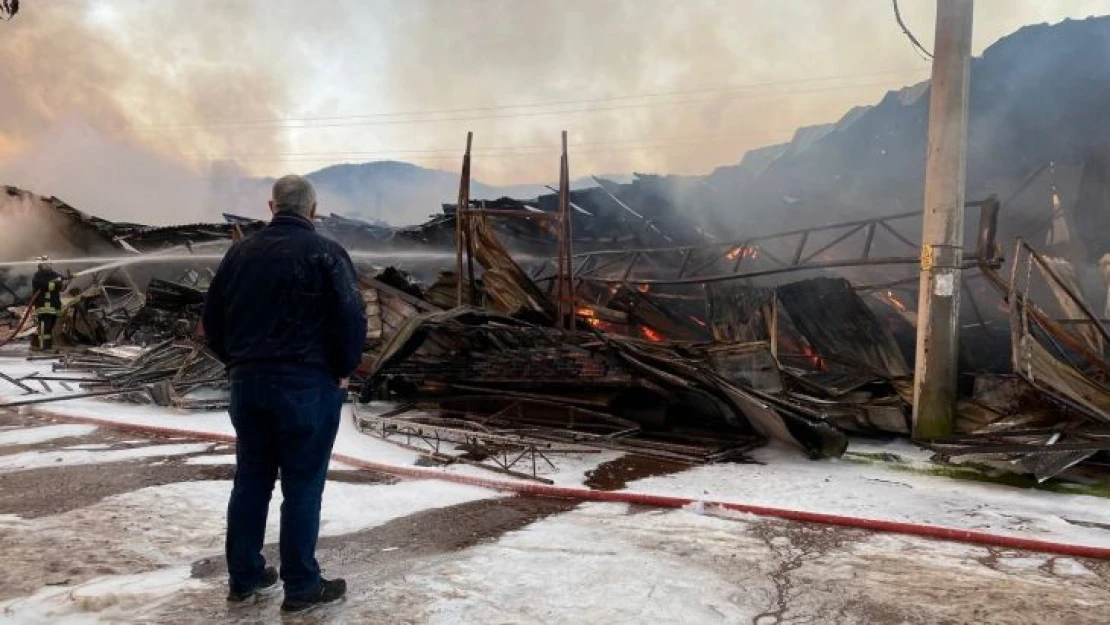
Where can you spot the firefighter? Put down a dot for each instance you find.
(47, 285)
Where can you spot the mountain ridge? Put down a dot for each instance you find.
(399, 192)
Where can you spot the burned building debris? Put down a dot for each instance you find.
(682, 351)
(692, 318)
(179, 374)
(1055, 412)
(489, 366)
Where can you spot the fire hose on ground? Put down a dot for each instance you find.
(937, 532)
(22, 322)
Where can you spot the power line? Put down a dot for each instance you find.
(392, 122)
(906, 30)
(449, 157)
(546, 104)
(387, 118)
(453, 152)
(550, 152)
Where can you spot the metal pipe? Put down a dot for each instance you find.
(776, 235)
(44, 400)
(1067, 289)
(969, 262)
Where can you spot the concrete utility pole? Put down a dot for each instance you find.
(942, 235)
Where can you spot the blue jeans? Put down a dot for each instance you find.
(285, 417)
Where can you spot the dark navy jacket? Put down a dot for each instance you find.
(286, 295)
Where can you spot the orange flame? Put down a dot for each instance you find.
(650, 334)
(813, 357)
(643, 288)
(895, 302)
(743, 250)
(588, 315)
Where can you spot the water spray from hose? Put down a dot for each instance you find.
(107, 263)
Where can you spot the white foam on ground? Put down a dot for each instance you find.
(217, 459)
(607, 563)
(73, 457)
(788, 480)
(229, 459)
(596, 564)
(91, 446)
(173, 525)
(183, 521)
(569, 470)
(110, 599)
(1023, 563)
(42, 434)
(1070, 567)
(11, 520)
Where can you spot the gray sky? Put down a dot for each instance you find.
(645, 85)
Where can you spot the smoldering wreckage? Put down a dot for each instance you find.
(683, 319)
(581, 321)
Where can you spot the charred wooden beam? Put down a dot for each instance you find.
(415, 302)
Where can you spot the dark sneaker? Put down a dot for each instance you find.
(266, 582)
(329, 591)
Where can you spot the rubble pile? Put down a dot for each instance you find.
(691, 318)
(691, 352)
(489, 370)
(718, 337)
(178, 374)
(113, 309)
(1053, 411)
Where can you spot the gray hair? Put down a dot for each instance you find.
(294, 194)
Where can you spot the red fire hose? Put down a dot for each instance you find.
(662, 501)
(23, 321)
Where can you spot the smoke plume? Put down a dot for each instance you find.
(124, 107)
(87, 90)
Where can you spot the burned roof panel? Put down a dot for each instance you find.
(833, 318)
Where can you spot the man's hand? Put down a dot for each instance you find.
(343, 382)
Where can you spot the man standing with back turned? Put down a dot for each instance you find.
(284, 314)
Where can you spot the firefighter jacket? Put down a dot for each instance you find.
(47, 283)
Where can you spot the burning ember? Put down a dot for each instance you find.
(742, 251)
(588, 315)
(798, 348)
(643, 288)
(650, 334)
(895, 302)
(813, 357)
